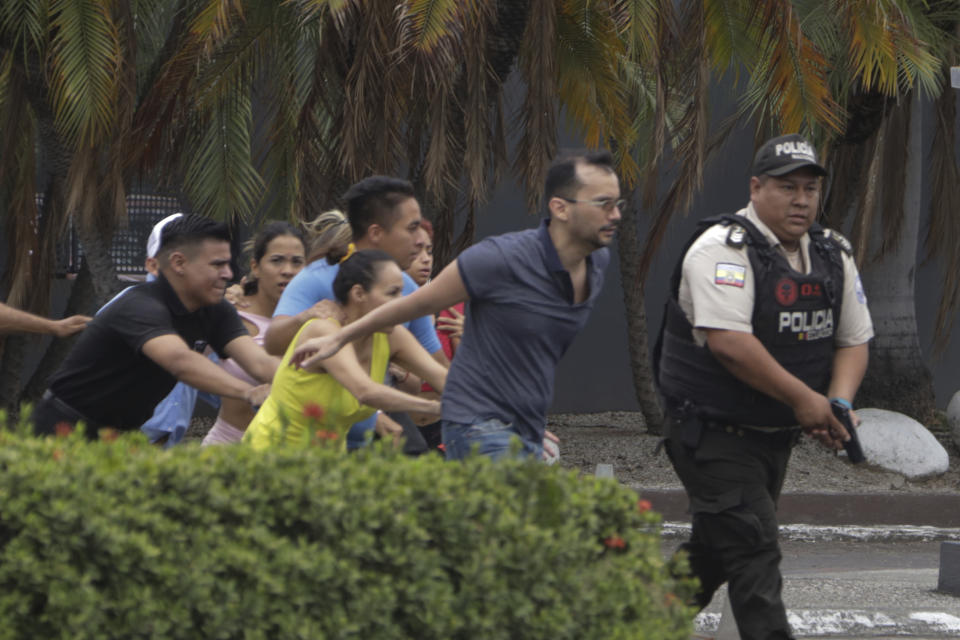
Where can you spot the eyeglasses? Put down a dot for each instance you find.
(607, 204)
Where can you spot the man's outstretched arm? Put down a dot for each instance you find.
(446, 290)
(172, 353)
(12, 319)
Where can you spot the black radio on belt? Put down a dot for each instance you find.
(851, 446)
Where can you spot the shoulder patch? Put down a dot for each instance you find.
(736, 236)
(840, 240)
(729, 274)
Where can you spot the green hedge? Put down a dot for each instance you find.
(119, 539)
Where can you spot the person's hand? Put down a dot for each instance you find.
(403, 379)
(315, 350)
(436, 408)
(235, 296)
(388, 429)
(324, 309)
(453, 326)
(551, 448)
(256, 396)
(69, 326)
(815, 417)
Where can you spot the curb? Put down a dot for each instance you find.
(929, 510)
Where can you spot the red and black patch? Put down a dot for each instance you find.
(810, 290)
(786, 292)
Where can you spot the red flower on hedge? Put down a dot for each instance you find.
(313, 411)
(109, 435)
(615, 542)
(57, 455)
(326, 435)
(63, 429)
(643, 505)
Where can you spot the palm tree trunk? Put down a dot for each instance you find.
(637, 334)
(897, 378)
(96, 256)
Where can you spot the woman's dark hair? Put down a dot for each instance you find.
(256, 247)
(361, 268)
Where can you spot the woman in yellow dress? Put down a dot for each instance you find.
(319, 405)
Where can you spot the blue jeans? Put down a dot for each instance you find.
(490, 437)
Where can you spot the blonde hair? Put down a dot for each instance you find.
(328, 236)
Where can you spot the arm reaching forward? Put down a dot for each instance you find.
(12, 319)
(446, 290)
(172, 353)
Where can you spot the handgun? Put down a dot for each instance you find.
(851, 446)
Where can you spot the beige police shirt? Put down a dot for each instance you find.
(716, 288)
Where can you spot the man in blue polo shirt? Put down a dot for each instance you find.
(529, 294)
(383, 213)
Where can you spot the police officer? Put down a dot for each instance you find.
(766, 323)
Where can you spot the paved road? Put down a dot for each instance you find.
(855, 582)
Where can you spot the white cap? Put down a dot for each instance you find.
(153, 242)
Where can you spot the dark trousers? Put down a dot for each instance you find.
(733, 479)
(414, 444)
(51, 411)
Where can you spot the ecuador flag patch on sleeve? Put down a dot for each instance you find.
(730, 274)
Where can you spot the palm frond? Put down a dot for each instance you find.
(538, 115)
(589, 87)
(23, 25)
(372, 132)
(215, 21)
(84, 62)
(18, 188)
(790, 80)
(220, 178)
(724, 28)
(313, 11)
(6, 75)
(481, 88)
(431, 21)
(692, 128)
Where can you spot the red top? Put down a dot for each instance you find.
(445, 339)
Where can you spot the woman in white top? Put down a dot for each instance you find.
(278, 253)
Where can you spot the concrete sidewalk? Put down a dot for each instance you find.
(855, 565)
(853, 590)
(917, 509)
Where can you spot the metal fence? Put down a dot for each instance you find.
(129, 247)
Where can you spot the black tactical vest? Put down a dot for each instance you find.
(795, 316)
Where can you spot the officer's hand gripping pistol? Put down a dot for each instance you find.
(852, 446)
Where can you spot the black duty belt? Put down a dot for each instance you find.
(772, 435)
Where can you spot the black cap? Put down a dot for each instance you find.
(783, 155)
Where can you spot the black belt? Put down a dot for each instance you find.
(784, 435)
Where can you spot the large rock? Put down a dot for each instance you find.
(899, 443)
(953, 417)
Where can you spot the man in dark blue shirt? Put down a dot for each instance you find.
(529, 294)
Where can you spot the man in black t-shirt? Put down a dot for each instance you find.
(135, 350)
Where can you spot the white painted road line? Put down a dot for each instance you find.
(845, 533)
(807, 623)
